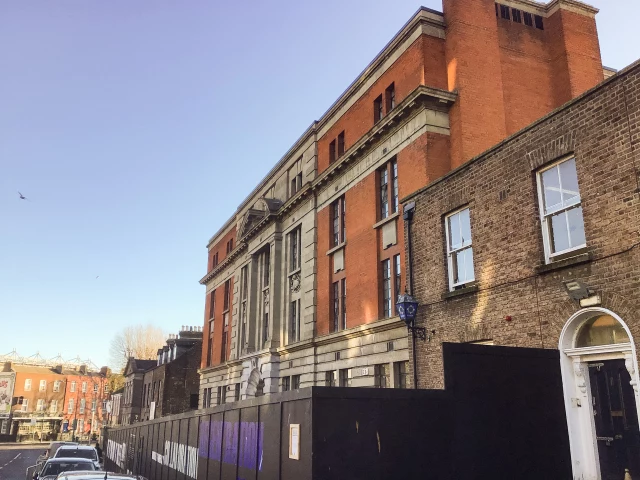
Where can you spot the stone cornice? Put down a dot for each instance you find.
(355, 332)
(295, 200)
(420, 97)
(550, 8)
(427, 19)
(423, 16)
(224, 264)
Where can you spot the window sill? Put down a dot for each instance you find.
(390, 218)
(460, 292)
(578, 259)
(336, 248)
(293, 272)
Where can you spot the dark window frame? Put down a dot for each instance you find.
(528, 19)
(339, 305)
(330, 378)
(382, 375)
(341, 145)
(378, 112)
(294, 316)
(390, 97)
(505, 12)
(401, 372)
(516, 15)
(338, 222)
(295, 247)
(388, 194)
(332, 151)
(539, 22)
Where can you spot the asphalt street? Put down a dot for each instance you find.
(15, 460)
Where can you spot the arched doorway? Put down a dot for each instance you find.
(600, 382)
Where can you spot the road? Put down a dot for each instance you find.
(14, 460)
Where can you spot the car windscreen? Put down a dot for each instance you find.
(77, 453)
(56, 468)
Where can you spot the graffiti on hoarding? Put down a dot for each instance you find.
(6, 392)
(217, 434)
(179, 457)
(117, 452)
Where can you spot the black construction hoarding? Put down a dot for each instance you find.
(509, 426)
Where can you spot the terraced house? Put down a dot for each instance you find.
(302, 279)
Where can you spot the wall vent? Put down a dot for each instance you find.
(389, 346)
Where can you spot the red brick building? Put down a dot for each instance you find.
(85, 402)
(302, 279)
(534, 243)
(55, 396)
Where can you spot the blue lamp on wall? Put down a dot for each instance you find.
(407, 308)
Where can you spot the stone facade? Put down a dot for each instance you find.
(131, 405)
(293, 302)
(519, 295)
(171, 386)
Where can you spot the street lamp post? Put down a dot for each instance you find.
(407, 308)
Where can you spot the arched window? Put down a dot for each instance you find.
(601, 330)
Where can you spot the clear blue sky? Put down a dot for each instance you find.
(137, 127)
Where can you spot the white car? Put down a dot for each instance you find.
(55, 466)
(79, 451)
(97, 476)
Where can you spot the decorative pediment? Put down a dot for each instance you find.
(130, 367)
(259, 211)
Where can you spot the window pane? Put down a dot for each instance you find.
(559, 232)
(397, 275)
(576, 226)
(462, 266)
(395, 187)
(386, 288)
(458, 267)
(468, 263)
(454, 232)
(465, 228)
(384, 195)
(569, 179)
(551, 190)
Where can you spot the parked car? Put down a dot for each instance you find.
(79, 451)
(97, 476)
(55, 466)
(53, 448)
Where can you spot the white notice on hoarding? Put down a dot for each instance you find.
(294, 441)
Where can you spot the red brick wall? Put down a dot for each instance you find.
(575, 54)
(218, 325)
(221, 248)
(508, 74)
(422, 162)
(528, 78)
(361, 253)
(473, 60)
(88, 396)
(407, 73)
(34, 394)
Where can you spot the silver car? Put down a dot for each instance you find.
(79, 451)
(97, 476)
(55, 466)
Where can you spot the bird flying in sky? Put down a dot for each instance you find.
(22, 197)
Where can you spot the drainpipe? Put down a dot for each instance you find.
(409, 208)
